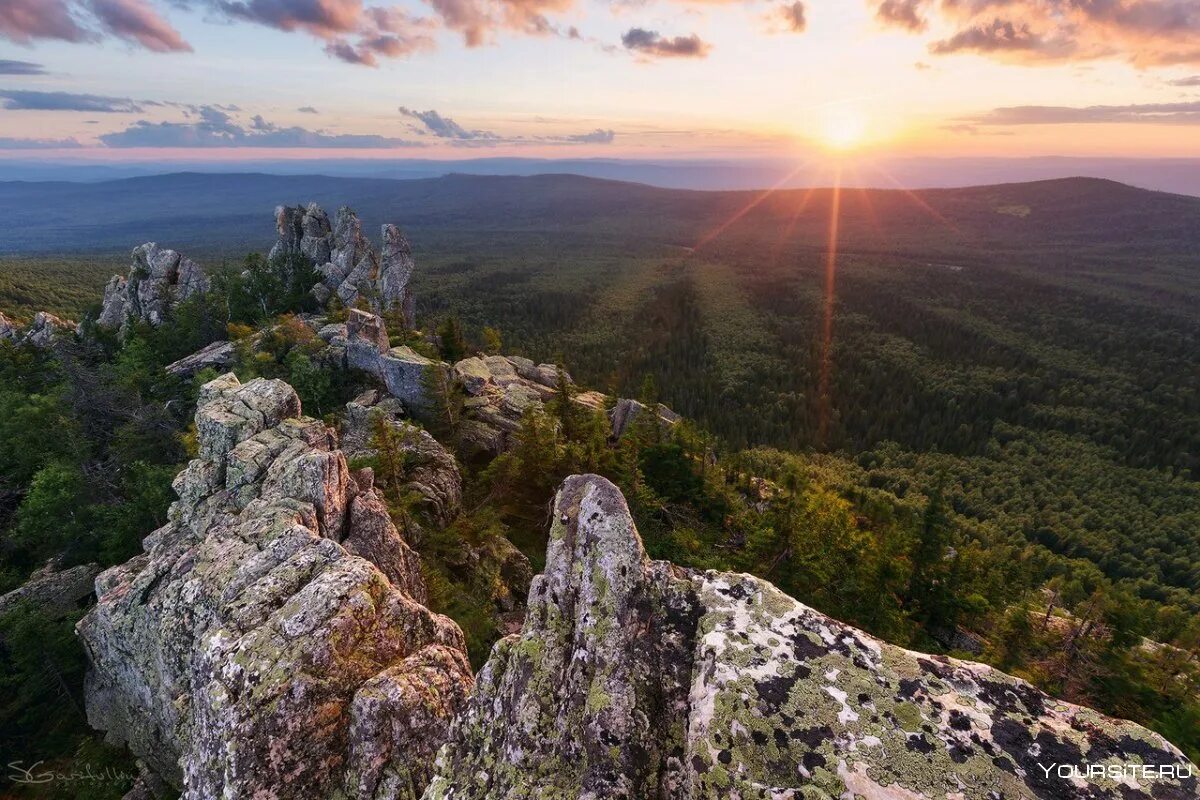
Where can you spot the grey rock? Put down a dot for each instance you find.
(159, 280)
(8, 329)
(46, 327)
(406, 374)
(367, 340)
(54, 591)
(626, 411)
(250, 652)
(473, 374)
(633, 678)
(395, 270)
(217, 355)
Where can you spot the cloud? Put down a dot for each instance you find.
(22, 21)
(479, 20)
(135, 20)
(444, 127)
(352, 32)
(20, 100)
(307, 110)
(25, 20)
(1004, 36)
(1141, 32)
(598, 136)
(1190, 81)
(8, 143)
(216, 128)
(20, 68)
(902, 13)
(791, 17)
(1146, 113)
(653, 45)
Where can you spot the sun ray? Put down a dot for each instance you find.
(824, 404)
(713, 234)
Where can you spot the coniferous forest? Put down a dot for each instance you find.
(974, 431)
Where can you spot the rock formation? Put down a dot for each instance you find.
(271, 641)
(45, 328)
(348, 265)
(159, 279)
(8, 329)
(42, 332)
(637, 679)
(626, 411)
(430, 470)
(52, 590)
(362, 343)
(217, 355)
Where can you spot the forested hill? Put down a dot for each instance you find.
(188, 208)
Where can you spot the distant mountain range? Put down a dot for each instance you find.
(225, 214)
(1168, 174)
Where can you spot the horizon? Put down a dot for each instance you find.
(130, 81)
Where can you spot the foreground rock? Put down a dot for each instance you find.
(271, 641)
(638, 679)
(159, 280)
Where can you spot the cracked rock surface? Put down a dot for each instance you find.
(271, 642)
(634, 678)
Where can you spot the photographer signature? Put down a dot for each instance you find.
(36, 773)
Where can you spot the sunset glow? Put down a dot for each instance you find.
(575, 79)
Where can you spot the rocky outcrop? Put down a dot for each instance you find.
(217, 355)
(426, 468)
(8, 329)
(45, 328)
(159, 280)
(53, 591)
(349, 266)
(362, 343)
(626, 411)
(41, 332)
(272, 641)
(633, 678)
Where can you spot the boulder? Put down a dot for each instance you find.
(367, 340)
(407, 375)
(271, 641)
(54, 591)
(633, 678)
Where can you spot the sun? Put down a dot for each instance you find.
(843, 129)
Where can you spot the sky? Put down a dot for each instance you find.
(122, 80)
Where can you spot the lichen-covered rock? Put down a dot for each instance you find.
(637, 679)
(53, 591)
(270, 639)
(159, 279)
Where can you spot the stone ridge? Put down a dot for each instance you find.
(632, 678)
(272, 642)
